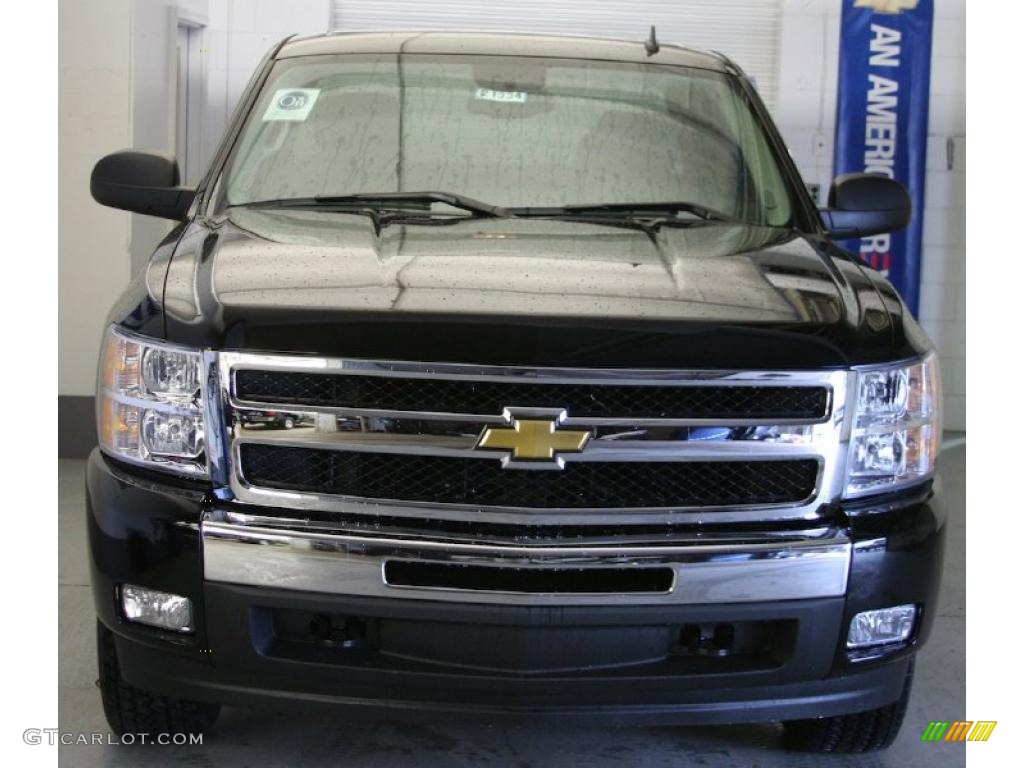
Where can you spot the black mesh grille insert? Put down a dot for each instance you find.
(490, 397)
(580, 485)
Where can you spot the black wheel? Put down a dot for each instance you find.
(289, 423)
(133, 710)
(860, 732)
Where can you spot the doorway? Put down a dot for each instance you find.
(188, 125)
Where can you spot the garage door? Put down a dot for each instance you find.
(746, 30)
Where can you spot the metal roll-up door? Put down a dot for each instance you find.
(745, 30)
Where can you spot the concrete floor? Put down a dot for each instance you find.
(248, 738)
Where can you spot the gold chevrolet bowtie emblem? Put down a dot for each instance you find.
(534, 439)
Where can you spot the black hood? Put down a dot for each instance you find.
(521, 291)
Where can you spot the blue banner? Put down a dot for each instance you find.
(885, 52)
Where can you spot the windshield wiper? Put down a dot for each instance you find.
(375, 201)
(654, 213)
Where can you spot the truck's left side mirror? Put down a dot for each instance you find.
(861, 204)
(142, 182)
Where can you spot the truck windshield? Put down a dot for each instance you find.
(509, 131)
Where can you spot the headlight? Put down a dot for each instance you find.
(897, 427)
(150, 404)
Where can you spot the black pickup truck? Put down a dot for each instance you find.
(592, 418)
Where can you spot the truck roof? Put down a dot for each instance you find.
(492, 44)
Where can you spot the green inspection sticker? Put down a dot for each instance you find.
(291, 104)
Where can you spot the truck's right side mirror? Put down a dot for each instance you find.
(142, 182)
(861, 204)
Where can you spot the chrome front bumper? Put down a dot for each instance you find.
(353, 564)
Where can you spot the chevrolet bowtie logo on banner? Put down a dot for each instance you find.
(533, 441)
(887, 6)
(885, 52)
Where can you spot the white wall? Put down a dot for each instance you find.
(806, 111)
(94, 114)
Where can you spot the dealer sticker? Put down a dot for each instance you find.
(508, 97)
(291, 104)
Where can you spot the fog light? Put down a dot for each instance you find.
(882, 627)
(157, 609)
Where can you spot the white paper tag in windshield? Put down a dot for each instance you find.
(507, 97)
(291, 104)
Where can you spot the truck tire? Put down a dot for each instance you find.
(860, 732)
(133, 710)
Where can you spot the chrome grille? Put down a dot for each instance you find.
(387, 440)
